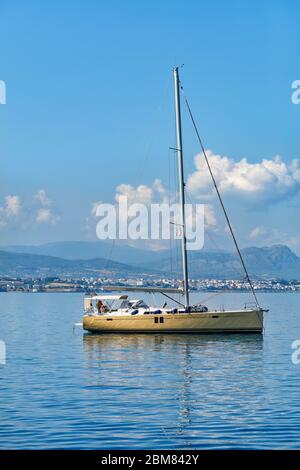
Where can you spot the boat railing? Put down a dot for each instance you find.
(249, 305)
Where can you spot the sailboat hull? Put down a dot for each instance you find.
(243, 321)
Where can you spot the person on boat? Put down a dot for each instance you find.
(101, 307)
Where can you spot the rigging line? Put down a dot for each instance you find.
(109, 258)
(221, 201)
(215, 294)
(155, 127)
(172, 298)
(143, 163)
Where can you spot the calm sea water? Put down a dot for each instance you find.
(65, 389)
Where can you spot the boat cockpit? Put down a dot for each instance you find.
(122, 305)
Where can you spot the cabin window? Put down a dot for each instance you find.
(109, 319)
(161, 319)
(215, 316)
(155, 319)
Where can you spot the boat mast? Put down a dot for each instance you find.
(181, 186)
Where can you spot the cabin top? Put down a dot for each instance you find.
(107, 297)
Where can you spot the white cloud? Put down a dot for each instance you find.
(257, 185)
(45, 216)
(11, 210)
(143, 194)
(257, 232)
(12, 205)
(267, 182)
(45, 213)
(209, 217)
(94, 207)
(42, 198)
(37, 209)
(146, 195)
(273, 236)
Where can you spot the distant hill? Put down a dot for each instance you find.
(74, 250)
(25, 264)
(277, 261)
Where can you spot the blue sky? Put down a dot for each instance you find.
(90, 107)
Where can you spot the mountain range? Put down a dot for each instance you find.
(276, 261)
(74, 250)
(76, 259)
(32, 265)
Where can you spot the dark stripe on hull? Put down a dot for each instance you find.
(202, 330)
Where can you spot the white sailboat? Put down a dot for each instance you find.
(104, 313)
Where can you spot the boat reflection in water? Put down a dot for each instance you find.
(173, 385)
